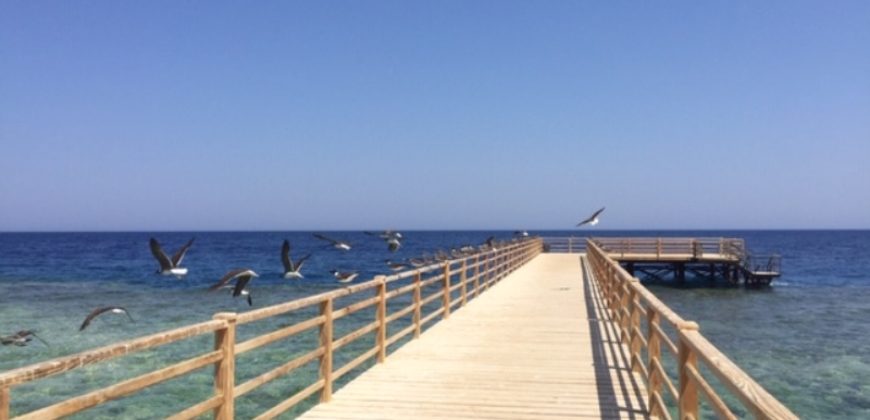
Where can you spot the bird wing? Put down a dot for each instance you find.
(227, 278)
(285, 256)
(301, 260)
(591, 218)
(165, 263)
(95, 313)
(319, 236)
(176, 259)
(241, 282)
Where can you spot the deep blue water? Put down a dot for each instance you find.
(806, 338)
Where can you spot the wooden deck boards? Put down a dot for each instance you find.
(535, 346)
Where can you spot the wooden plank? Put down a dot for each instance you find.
(198, 409)
(290, 402)
(225, 368)
(468, 365)
(326, 344)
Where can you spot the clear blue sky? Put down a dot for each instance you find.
(448, 114)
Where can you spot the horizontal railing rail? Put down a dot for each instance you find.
(456, 282)
(732, 248)
(647, 325)
(564, 244)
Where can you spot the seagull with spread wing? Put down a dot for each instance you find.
(21, 338)
(292, 270)
(170, 267)
(342, 245)
(591, 220)
(104, 310)
(242, 276)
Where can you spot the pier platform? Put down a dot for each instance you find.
(537, 346)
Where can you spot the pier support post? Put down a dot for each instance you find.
(326, 343)
(688, 407)
(224, 372)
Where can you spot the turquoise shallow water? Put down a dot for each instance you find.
(806, 339)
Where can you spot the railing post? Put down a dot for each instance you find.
(446, 298)
(476, 275)
(659, 247)
(382, 318)
(464, 279)
(326, 357)
(688, 407)
(570, 243)
(5, 398)
(417, 307)
(225, 369)
(487, 275)
(654, 354)
(635, 327)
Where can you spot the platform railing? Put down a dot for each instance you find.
(564, 244)
(662, 246)
(456, 282)
(643, 321)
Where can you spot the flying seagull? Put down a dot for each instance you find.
(242, 276)
(245, 292)
(592, 220)
(342, 245)
(170, 267)
(291, 270)
(344, 277)
(106, 309)
(387, 234)
(21, 338)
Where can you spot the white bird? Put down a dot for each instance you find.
(170, 267)
(21, 338)
(344, 277)
(342, 245)
(291, 270)
(106, 309)
(591, 220)
(242, 276)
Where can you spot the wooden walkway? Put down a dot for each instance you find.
(535, 346)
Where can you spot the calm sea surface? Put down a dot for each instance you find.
(806, 339)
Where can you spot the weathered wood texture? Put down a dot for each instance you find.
(535, 346)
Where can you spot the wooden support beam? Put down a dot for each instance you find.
(224, 372)
(381, 339)
(326, 358)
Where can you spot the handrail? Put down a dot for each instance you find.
(462, 279)
(628, 302)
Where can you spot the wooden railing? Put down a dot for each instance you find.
(726, 247)
(564, 244)
(457, 281)
(644, 322)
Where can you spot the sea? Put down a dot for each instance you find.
(806, 338)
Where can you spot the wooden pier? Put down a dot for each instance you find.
(502, 334)
(672, 258)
